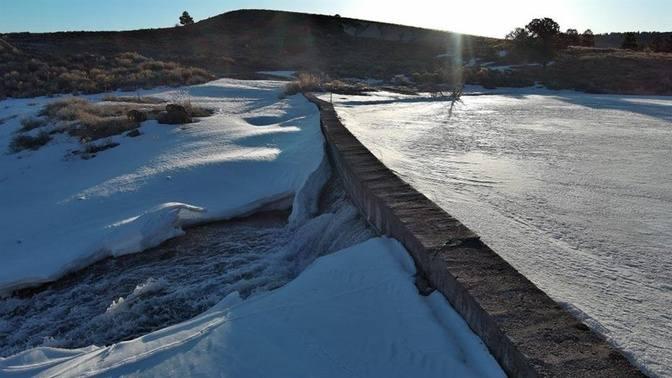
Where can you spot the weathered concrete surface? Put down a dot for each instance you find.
(528, 333)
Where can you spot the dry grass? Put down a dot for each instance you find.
(135, 99)
(26, 75)
(90, 122)
(29, 142)
(611, 71)
(32, 123)
(311, 82)
(305, 82)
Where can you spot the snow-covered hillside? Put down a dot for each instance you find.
(60, 213)
(353, 313)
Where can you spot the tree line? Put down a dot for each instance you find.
(656, 42)
(542, 38)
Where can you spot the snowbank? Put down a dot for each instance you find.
(353, 313)
(60, 212)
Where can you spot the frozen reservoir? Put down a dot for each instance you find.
(573, 189)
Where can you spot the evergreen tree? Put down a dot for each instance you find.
(186, 19)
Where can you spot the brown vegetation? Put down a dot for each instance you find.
(611, 71)
(28, 75)
(31, 123)
(338, 46)
(255, 40)
(29, 142)
(579, 68)
(312, 82)
(135, 99)
(89, 122)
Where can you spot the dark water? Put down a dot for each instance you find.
(121, 298)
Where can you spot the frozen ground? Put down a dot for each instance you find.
(62, 213)
(352, 313)
(575, 190)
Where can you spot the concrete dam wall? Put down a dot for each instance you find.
(526, 331)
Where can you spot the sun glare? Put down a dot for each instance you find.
(487, 18)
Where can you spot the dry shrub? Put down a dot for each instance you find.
(135, 100)
(25, 75)
(28, 142)
(93, 127)
(89, 121)
(309, 82)
(305, 82)
(32, 123)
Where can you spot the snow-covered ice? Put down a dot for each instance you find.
(573, 189)
(353, 313)
(59, 213)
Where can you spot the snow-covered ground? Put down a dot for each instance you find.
(353, 313)
(573, 189)
(63, 213)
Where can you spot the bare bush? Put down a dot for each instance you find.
(90, 121)
(24, 75)
(305, 82)
(28, 142)
(135, 100)
(32, 123)
(310, 82)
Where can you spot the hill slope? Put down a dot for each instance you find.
(246, 41)
(249, 40)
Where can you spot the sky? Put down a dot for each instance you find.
(493, 18)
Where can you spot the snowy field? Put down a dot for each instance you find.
(573, 189)
(353, 311)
